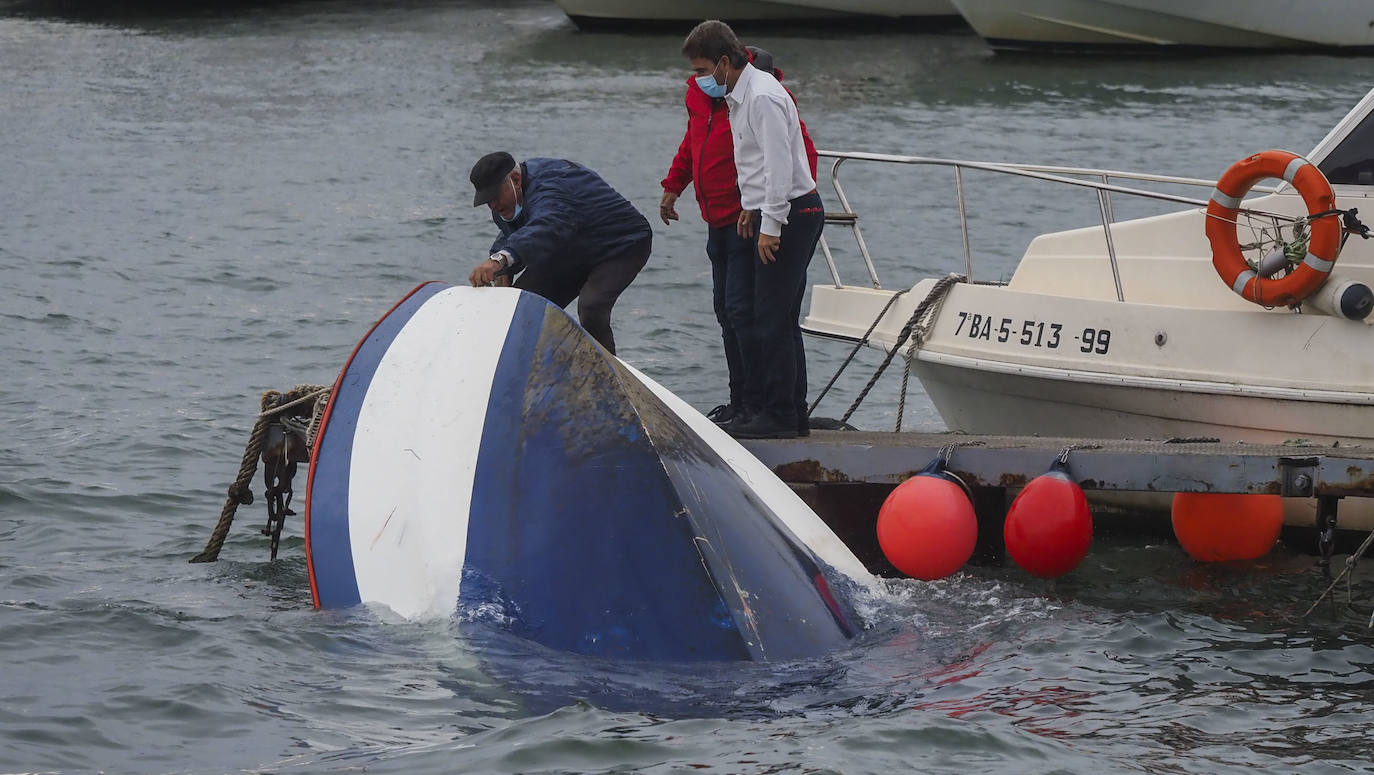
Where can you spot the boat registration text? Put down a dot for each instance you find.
(1030, 333)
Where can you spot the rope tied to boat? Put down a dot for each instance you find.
(917, 326)
(863, 340)
(1346, 573)
(273, 405)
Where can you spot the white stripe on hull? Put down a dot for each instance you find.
(418, 437)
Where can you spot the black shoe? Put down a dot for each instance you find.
(803, 425)
(738, 421)
(722, 414)
(762, 427)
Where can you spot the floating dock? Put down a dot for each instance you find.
(846, 475)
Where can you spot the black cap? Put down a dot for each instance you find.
(488, 174)
(761, 59)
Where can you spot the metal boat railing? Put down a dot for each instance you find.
(1102, 184)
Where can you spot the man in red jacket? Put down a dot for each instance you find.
(706, 159)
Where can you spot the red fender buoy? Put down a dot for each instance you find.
(1049, 528)
(1217, 527)
(926, 527)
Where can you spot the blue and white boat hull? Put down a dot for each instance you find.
(481, 453)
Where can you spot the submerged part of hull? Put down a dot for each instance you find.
(482, 453)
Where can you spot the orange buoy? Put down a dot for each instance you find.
(926, 527)
(1216, 527)
(1225, 206)
(1049, 527)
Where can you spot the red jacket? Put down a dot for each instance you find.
(706, 158)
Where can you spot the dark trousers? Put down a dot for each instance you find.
(595, 287)
(732, 291)
(776, 327)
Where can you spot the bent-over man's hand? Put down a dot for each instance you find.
(666, 211)
(485, 274)
(745, 226)
(768, 248)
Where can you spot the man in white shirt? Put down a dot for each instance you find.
(781, 210)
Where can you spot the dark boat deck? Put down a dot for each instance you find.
(846, 475)
(1297, 470)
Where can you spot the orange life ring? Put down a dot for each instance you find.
(1322, 248)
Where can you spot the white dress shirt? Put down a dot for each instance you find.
(769, 154)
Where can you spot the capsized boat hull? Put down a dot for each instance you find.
(481, 454)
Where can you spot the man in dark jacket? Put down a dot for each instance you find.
(565, 230)
(706, 159)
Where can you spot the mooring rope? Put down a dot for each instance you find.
(863, 340)
(241, 491)
(310, 391)
(901, 397)
(1346, 571)
(929, 305)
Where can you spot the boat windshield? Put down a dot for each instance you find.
(1352, 162)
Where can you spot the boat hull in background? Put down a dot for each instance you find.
(914, 10)
(1158, 24)
(621, 14)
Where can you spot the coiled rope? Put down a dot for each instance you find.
(241, 492)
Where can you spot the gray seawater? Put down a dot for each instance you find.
(196, 207)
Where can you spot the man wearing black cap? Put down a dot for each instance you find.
(565, 230)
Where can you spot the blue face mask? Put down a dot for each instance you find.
(518, 206)
(708, 84)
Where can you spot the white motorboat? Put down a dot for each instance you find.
(1126, 330)
(915, 10)
(1150, 24)
(601, 14)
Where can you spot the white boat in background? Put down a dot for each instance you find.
(603, 14)
(1127, 331)
(1216, 24)
(915, 10)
